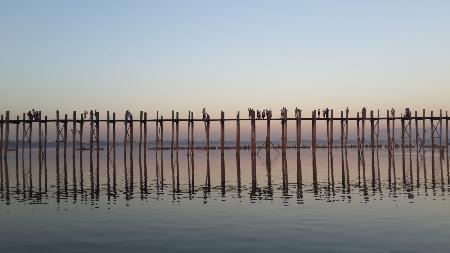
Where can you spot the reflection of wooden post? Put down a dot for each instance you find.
(238, 134)
(222, 132)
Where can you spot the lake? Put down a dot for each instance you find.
(205, 202)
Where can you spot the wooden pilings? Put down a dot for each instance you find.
(238, 134)
(5, 154)
(298, 128)
(253, 134)
(222, 132)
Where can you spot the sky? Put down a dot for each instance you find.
(223, 55)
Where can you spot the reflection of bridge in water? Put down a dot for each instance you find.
(22, 182)
(174, 175)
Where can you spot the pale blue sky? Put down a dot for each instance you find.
(184, 55)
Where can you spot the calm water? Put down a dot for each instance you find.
(175, 202)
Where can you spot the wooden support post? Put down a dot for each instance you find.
(40, 135)
(141, 117)
(65, 136)
(189, 131)
(283, 137)
(145, 142)
(131, 143)
(206, 123)
(268, 140)
(377, 144)
(192, 131)
(253, 135)
(238, 134)
(346, 148)
(388, 128)
(24, 133)
(177, 130)
(162, 134)
(57, 137)
(17, 135)
(403, 145)
(313, 133)
(416, 127)
(108, 150)
(114, 139)
(298, 121)
(432, 139)
(172, 139)
(359, 144)
(74, 133)
(125, 137)
(222, 132)
(81, 137)
(313, 145)
(423, 134)
(91, 135)
(1, 138)
(331, 142)
(45, 139)
(372, 144)
(342, 150)
(5, 154)
(446, 145)
(363, 133)
(97, 135)
(440, 133)
(393, 139)
(410, 145)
